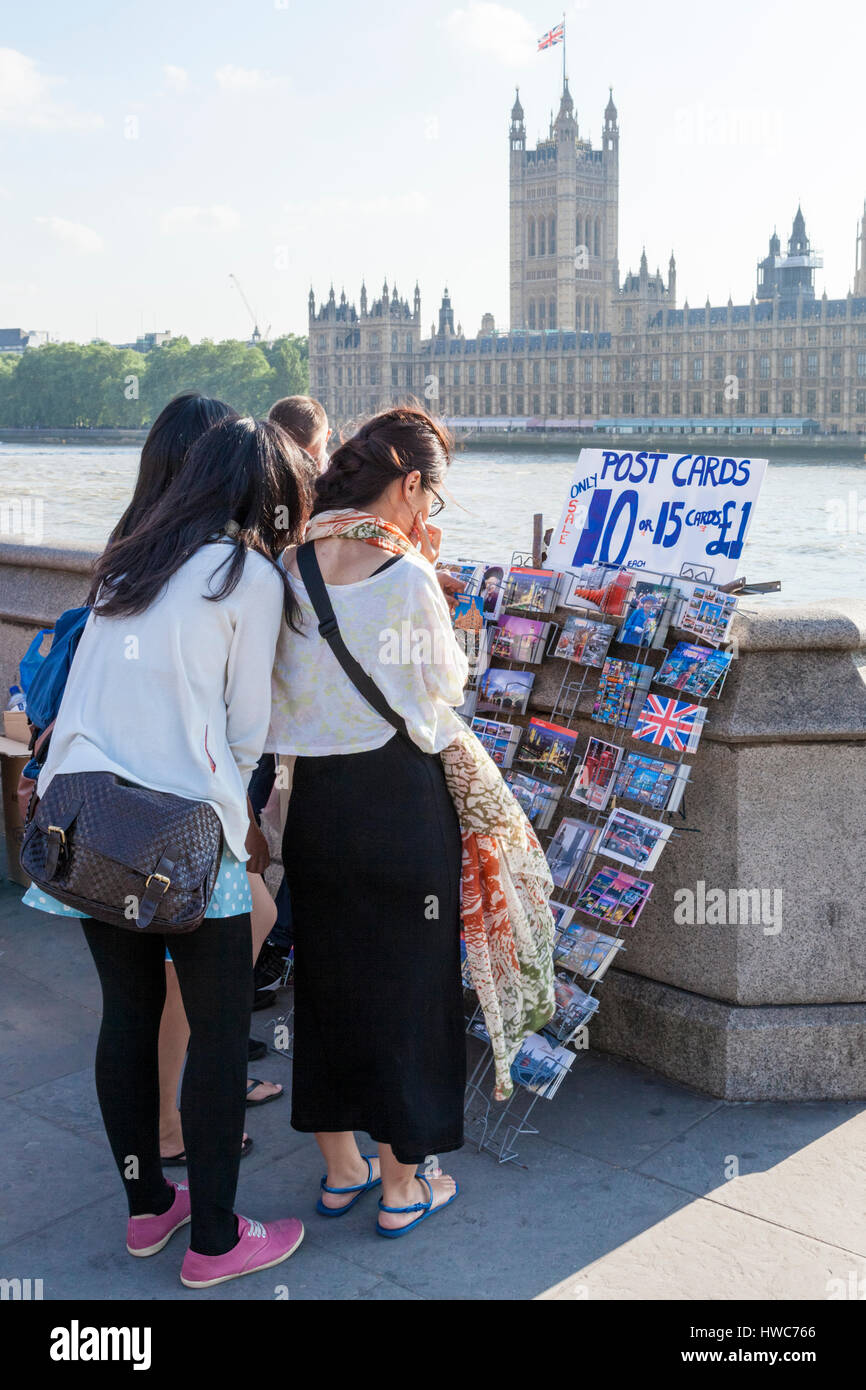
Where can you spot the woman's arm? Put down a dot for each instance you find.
(249, 667)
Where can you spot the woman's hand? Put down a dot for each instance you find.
(427, 537)
(451, 588)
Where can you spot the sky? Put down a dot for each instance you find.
(151, 149)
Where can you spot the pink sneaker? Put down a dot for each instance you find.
(145, 1235)
(259, 1247)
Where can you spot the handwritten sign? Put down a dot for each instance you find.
(669, 513)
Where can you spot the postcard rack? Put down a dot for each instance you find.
(498, 1127)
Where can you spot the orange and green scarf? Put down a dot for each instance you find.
(506, 884)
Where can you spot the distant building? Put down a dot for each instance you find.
(587, 349)
(17, 339)
(148, 341)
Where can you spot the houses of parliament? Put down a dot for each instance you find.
(588, 348)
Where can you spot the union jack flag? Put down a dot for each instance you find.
(553, 36)
(670, 723)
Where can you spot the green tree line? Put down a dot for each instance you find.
(69, 384)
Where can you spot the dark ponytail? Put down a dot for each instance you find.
(395, 442)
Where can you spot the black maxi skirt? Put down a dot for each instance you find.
(372, 853)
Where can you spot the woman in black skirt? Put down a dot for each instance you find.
(372, 846)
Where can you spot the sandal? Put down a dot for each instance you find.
(360, 1189)
(427, 1208)
(179, 1160)
(253, 1082)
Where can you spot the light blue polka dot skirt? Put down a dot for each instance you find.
(231, 895)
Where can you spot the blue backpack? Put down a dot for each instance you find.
(48, 681)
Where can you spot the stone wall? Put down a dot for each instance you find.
(36, 586)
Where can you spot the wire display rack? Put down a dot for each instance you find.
(497, 1127)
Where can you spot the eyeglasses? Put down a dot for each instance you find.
(439, 505)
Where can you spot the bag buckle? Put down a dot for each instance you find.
(160, 878)
(328, 626)
(62, 833)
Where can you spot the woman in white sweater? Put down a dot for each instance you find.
(169, 689)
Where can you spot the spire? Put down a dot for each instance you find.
(610, 109)
(517, 109)
(312, 302)
(363, 297)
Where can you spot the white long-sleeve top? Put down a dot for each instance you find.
(397, 626)
(178, 698)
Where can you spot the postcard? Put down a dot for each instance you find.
(538, 799)
(622, 686)
(574, 1008)
(504, 691)
(651, 781)
(584, 641)
(615, 897)
(499, 739)
(643, 623)
(492, 590)
(707, 613)
(586, 951)
(593, 781)
(568, 850)
(540, 1067)
(694, 670)
(546, 749)
(562, 915)
(597, 589)
(531, 592)
(633, 839)
(670, 723)
(519, 639)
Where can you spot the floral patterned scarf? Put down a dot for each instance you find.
(506, 884)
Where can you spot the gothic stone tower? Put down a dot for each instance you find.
(564, 201)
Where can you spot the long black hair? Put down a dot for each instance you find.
(174, 431)
(243, 476)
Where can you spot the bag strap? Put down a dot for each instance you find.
(311, 574)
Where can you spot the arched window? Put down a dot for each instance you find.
(393, 342)
(577, 314)
(628, 316)
(551, 236)
(532, 313)
(578, 234)
(551, 314)
(541, 313)
(596, 317)
(597, 238)
(532, 236)
(587, 314)
(542, 225)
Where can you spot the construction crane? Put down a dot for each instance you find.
(256, 335)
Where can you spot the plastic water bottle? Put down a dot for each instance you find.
(17, 702)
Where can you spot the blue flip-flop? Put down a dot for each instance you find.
(427, 1208)
(360, 1189)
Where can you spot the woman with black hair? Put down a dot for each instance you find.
(169, 690)
(372, 846)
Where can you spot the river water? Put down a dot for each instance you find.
(809, 528)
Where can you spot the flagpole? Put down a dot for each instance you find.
(563, 50)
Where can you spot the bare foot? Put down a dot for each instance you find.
(443, 1189)
(355, 1178)
(262, 1090)
(172, 1144)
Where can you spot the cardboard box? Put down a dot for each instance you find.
(13, 822)
(15, 725)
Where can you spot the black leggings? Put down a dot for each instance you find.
(214, 971)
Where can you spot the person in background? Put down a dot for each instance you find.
(198, 585)
(304, 419)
